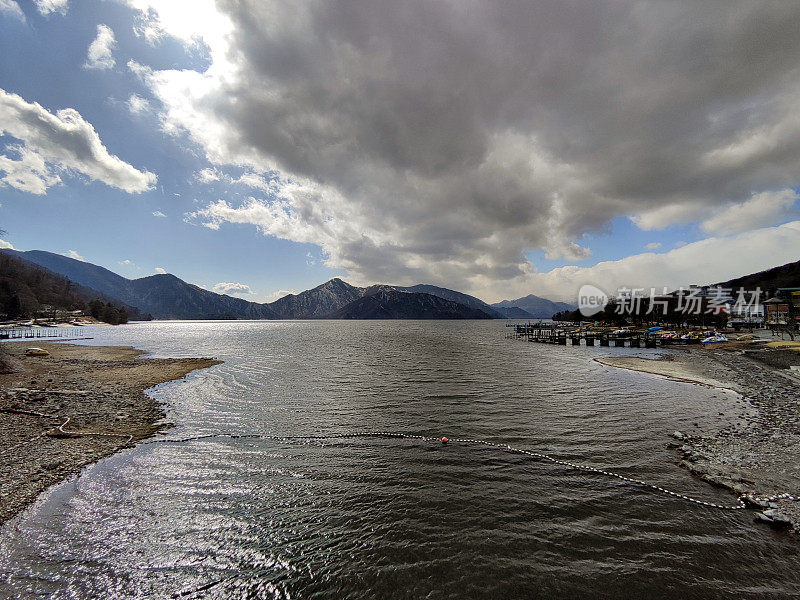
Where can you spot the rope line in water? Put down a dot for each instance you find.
(741, 502)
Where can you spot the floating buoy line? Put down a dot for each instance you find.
(742, 502)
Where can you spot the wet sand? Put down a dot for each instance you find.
(100, 390)
(760, 455)
(668, 366)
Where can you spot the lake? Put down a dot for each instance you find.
(374, 517)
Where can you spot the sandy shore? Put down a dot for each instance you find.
(666, 366)
(762, 455)
(100, 389)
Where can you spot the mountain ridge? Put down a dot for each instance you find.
(387, 302)
(26, 288)
(166, 296)
(768, 280)
(454, 296)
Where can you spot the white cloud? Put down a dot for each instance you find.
(73, 254)
(653, 245)
(100, 50)
(28, 172)
(708, 261)
(160, 271)
(138, 105)
(12, 9)
(4, 245)
(47, 7)
(141, 71)
(182, 20)
(158, 213)
(671, 214)
(207, 175)
(278, 294)
(761, 210)
(258, 181)
(232, 289)
(56, 144)
(270, 183)
(129, 263)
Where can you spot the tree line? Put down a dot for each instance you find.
(28, 291)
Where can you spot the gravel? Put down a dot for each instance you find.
(101, 389)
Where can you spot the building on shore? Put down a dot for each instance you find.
(782, 311)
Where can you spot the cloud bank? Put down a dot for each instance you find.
(418, 141)
(51, 145)
(708, 261)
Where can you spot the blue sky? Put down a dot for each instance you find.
(106, 226)
(401, 169)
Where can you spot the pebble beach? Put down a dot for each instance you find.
(759, 454)
(99, 389)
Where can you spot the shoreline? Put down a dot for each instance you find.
(760, 457)
(100, 389)
(664, 366)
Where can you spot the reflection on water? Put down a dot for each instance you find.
(394, 518)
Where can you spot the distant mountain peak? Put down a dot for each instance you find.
(534, 306)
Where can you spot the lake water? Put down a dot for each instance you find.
(396, 518)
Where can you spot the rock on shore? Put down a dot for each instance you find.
(760, 455)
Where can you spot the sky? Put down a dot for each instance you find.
(502, 149)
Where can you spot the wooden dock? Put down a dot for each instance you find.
(565, 336)
(35, 333)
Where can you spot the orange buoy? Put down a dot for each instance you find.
(444, 441)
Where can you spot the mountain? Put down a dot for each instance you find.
(513, 312)
(787, 275)
(83, 273)
(27, 289)
(454, 296)
(163, 296)
(391, 303)
(317, 303)
(536, 307)
(168, 297)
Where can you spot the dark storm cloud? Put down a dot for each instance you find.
(446, 138)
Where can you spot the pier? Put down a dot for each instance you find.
(545, 333)
(29, 333)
